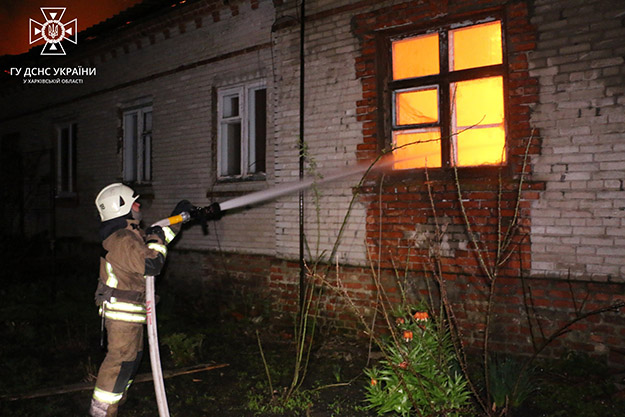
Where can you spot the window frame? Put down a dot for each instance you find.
(66, 157)
(246, 117)
(142, 164)
(387, 87)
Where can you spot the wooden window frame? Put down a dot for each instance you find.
(246, 118)
(141, 164)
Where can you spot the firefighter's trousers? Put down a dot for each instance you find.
(125, 348)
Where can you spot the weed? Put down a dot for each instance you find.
(90, 370)
(184, 349)
(336, 371)
(279, 402)
(509, 387)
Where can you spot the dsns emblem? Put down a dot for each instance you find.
(53, 31)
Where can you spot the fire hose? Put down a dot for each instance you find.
(202, 214)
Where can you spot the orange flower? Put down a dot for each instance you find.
(399, 321)
(421, 316)
(407, 335)
(374, 382)
(403, 365)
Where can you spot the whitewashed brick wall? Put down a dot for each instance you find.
(183, 162)
(578, 224)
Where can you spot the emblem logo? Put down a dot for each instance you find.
(53, 31)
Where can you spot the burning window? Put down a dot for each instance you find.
(242, 128)
(447, 98)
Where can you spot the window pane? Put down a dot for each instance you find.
(64, 159)
(416, 107)
(478, 121)
(477, 102)
(147, 147)
(231, 106)
(147, 121)
(130, 147)
(418, 149)
(231, 149)
(415, 57)
(73, 153)
(475, 46)
(147, 157)
(481, 146)
(258, 132)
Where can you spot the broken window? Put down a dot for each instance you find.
(137, 155)
(242, 130)
(66, 140)
(447, 97)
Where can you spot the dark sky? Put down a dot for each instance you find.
(15, 15)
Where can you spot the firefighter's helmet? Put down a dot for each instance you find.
(115, 200)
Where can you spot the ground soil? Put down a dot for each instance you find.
(50, 334)
(50, 337)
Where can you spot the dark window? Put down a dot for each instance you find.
(242, 143)
(137, 157)
(67, 138)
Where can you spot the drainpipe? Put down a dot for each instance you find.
(302, 148)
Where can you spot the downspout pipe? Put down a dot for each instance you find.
(302, 154)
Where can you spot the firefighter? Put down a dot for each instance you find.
(129, 254)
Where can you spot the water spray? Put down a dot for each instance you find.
(214, 212)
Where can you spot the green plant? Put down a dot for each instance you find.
(184, 349)
(261, 404)
(419, 374)
(510, 384)
(336, 372)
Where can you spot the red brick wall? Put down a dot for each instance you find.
(404, 209)
(399, 202)
(526, 311)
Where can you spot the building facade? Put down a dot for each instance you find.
(506, 120)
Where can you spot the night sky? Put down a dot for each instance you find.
(15, 15)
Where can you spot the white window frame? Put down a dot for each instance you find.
(246, 117)
(137, 157)
(66, 157)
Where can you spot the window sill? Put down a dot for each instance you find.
(234, 187)
(260, 176)
(467, 175)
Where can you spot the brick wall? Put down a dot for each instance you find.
(527, 310)
(578, 223)
(174, 64)
(404, 212)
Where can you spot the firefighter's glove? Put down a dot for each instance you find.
(155, 231)
(182, 207)
(213, 212)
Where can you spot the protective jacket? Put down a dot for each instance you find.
(127, 258)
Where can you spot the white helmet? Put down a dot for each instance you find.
(114, 201)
